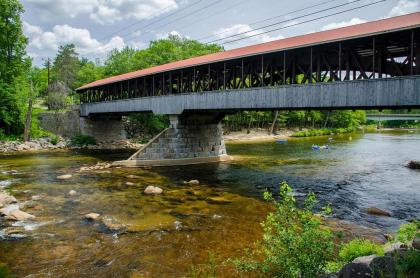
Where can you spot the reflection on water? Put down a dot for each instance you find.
(165, 234)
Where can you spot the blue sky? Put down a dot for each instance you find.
(98, 26)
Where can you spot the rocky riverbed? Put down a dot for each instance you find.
(62, 143)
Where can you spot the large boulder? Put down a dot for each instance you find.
(16, 214)
(355, 270)
(383, 267)
(153, 190)
(378, 211)
(391, 249)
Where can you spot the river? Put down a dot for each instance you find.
(165, 235)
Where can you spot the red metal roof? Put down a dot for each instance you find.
(359, 30)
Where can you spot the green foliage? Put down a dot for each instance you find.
(294, 243)
(82, 140)
(5, 272)
(408, 264)
(207, 270)
(406, 232)
(358, 248)
(145, 125)
(320, 132)
(66, 64)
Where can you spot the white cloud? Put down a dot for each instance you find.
(335, 25)
(64, 34)
(405, 7)
(237, 30)
(104, 11)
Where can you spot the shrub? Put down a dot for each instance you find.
(294, 243)
(408, 264)
(207, 270)
(406, 232)
(5, 272)
(82, 140)
(358, 248)
(413, 164)
(54, 139)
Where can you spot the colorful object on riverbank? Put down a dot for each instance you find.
(281, 141)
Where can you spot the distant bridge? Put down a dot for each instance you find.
(393, 117)
(370, 65)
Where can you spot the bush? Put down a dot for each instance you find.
(54, 140)
(358, 248)
(406, 232)
(294, 243)
(5, 272)
(321, 132)
(82, 140)
(408, 264)
(413, 164)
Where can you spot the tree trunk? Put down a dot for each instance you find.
(326, 119)
(274, 124)
(28, 120)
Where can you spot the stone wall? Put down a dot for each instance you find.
(188, 136)
(69, 124)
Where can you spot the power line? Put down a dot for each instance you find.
(166, 9)
(177, 19)
(270, 18)
(310, 20)
(284, 21)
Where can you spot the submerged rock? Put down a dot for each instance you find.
(64, 177)
(72, 192)
(15, 214)
(113, 225)
(133, 177)
(153, 190)
(13, 230)
(130, 183)
(378, 211)
(92, 216)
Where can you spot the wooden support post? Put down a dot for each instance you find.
(284, 67)
(412, 53)
(242, 73)
(373, 56)
(224, 76)
(339, 60)
(310, 70)
(262, 70)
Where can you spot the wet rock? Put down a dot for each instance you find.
(389, 237)
(383, 267)
(416, 242)
(72, 192)
(353, 270)
(364, 260)
(378, 211)
(13, 230)
(153, 190)
(130, 183)
(112, 225)
(133, 177)
(218, 201)
(192, 182)
(92, 216)
(216, 216)
(64, 177)
(16, 214)
(391, 249)
(178, 225)
(6, 199)
(36, 198)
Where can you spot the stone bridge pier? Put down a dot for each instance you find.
(191, 138)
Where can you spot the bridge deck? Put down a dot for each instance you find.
(378, 93)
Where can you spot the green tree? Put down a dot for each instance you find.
(88, 72)
(13, 64)
(119, 61)
(66, 65)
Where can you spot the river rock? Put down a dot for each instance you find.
(364, 260)
(193, 182)
(130, 183)
(113, 225)
(13, 230)
(17, 215)
(394, 247)
(6, 199)
(92, 216)
(416, 242)
(153, 190)
(64, 177)
(378, 211)
(36, 198)
(72, 192)
(353, 270)
(383, 267)
(133, 177)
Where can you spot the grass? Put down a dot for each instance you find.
(322, 132)
(359, 248)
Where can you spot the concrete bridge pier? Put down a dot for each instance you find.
(103, 128)
(191, 138)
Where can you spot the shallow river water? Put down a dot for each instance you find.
(165, 235)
